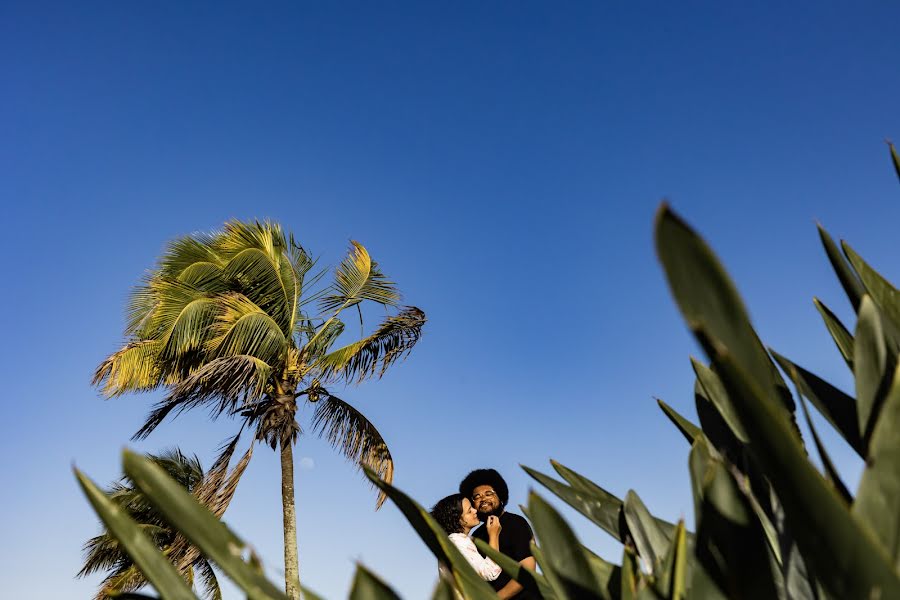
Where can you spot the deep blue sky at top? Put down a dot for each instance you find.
(502, 161)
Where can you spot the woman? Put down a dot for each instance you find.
(456, 515)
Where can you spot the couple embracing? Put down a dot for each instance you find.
(481, 500)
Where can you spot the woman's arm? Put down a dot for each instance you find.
(485, 567)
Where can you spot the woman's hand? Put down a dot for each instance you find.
(493, 525)
(493, 528)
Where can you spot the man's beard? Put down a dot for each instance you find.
(494, 513)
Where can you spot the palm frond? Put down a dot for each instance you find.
(228, 383)
(204, 276)
(214, 492)
(243, 328)
(208, 579)
(238, 236)
(155, 307)
(190, 260)
(186, 251)
(130, 369)
(219, 485)
(391, 342)
(301, 260)
(319, 340)
(354, 436)
(140, 306)
(311, 282)
(186, 470)
(358, 278)
(127, 578)
(103, 552)
(302, 263)
(187, 336)
(262, 279)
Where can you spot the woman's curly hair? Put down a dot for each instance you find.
(448, 513)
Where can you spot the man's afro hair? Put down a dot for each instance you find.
(485, 477)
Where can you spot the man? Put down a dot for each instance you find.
(489, 494)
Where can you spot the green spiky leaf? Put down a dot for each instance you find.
(601, 507)
(878, 498)
(848, 278)
(841, 336)
(367, 586)
(870, 361)
(731, 546)
(885, 296)
(563, 554)
(836, 406)
(687, 429)
(831, 472)
(895, 159)
(649, 538)
(707, 298)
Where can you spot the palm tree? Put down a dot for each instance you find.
(223, 321)
(214, 489)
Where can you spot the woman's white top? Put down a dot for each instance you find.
(485, 567)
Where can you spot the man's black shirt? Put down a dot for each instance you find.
(515, 540)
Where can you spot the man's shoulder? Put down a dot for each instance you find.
(513, 516)
(515, 520)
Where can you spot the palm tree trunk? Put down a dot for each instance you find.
(291, 563)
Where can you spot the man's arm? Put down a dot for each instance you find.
(514, 587)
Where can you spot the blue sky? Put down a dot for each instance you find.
(502, 161)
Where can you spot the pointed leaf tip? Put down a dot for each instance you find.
(895, 158)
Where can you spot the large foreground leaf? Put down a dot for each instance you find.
(714, 392)
(601, 507)
(847, 559)
(878, 499)
(649, 538)
(707, 298)
(565, 558)
(730, 546)
(367, 586)
(883, 293)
